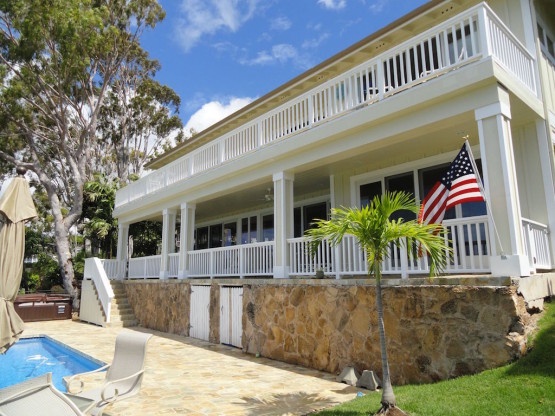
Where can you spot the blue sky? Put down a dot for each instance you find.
(219, 55)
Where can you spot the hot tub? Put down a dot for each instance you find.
(43, 307)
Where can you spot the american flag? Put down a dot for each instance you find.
(459, 184)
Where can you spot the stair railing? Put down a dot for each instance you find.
(95, 271)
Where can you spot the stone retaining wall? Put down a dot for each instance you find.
(434, 332)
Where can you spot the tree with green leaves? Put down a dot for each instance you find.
(58, 62)
(375, 231)
(138, 118)
(100, 226)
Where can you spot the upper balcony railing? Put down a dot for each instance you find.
(470, 36)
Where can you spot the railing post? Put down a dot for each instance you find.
(483, 30)
(221, 151)
(211, 260)
(337, 262)
(260, 133)
(241, 262)
(310, 110)
(404, 261)
(380, 80)
(530, 245)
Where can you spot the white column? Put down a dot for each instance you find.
(122, 249)
(500, 181)
(168, 240)
(283, 222)
(187, 235)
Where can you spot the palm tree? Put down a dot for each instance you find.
(375, 231)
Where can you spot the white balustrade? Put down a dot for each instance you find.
(536, 244)
(255, 259)
(111, 267)
(467, 237)
(510, 52)
(474, 34)
(144, 267)
(173, 263)
(303, 263)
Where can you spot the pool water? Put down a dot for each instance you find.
(32, 357)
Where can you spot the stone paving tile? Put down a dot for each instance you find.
(185, 376)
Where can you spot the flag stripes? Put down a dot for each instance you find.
(458, 185)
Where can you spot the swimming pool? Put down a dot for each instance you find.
(32, 357)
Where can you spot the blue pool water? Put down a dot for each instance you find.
(32, 357)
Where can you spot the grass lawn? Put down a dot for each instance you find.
(525, 387)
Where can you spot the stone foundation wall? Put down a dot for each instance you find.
(163, 305)
(433, 332)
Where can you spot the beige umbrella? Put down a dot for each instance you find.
(16, 206)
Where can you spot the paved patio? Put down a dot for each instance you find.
(186, 376)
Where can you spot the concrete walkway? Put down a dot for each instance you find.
(185, 376)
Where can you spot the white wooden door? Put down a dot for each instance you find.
(231, 316)
(200, 312)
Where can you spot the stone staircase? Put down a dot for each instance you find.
(121, 312)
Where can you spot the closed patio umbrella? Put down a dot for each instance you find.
(16, 206)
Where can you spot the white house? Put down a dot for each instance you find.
(388, 113)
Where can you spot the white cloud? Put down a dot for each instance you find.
(214, 111)
(201, 18)
(377, 6)
(333, 4)
(280, 23)
(315, 42)
(281, 53)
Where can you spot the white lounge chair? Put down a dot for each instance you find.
(124, 375)
(39, 397)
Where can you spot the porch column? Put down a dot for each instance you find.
(122, 249)
(168, 241)
(187, 235)
(500, 180)
(283, 222)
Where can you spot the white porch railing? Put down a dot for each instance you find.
(245, 260)
(468, 238)
(173, 263)
(144, 267)
(94, 270)
(472, 35)
(112, 268)
(536, 244)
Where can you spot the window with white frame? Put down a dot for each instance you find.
(426, 178)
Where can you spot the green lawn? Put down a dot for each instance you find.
(525, 387)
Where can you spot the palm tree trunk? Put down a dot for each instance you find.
(388, 398)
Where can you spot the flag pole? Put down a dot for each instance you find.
(481, 186)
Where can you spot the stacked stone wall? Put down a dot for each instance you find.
(433, 332)
(161, 304)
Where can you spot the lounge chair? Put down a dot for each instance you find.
(124, 376)
(39, 397)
